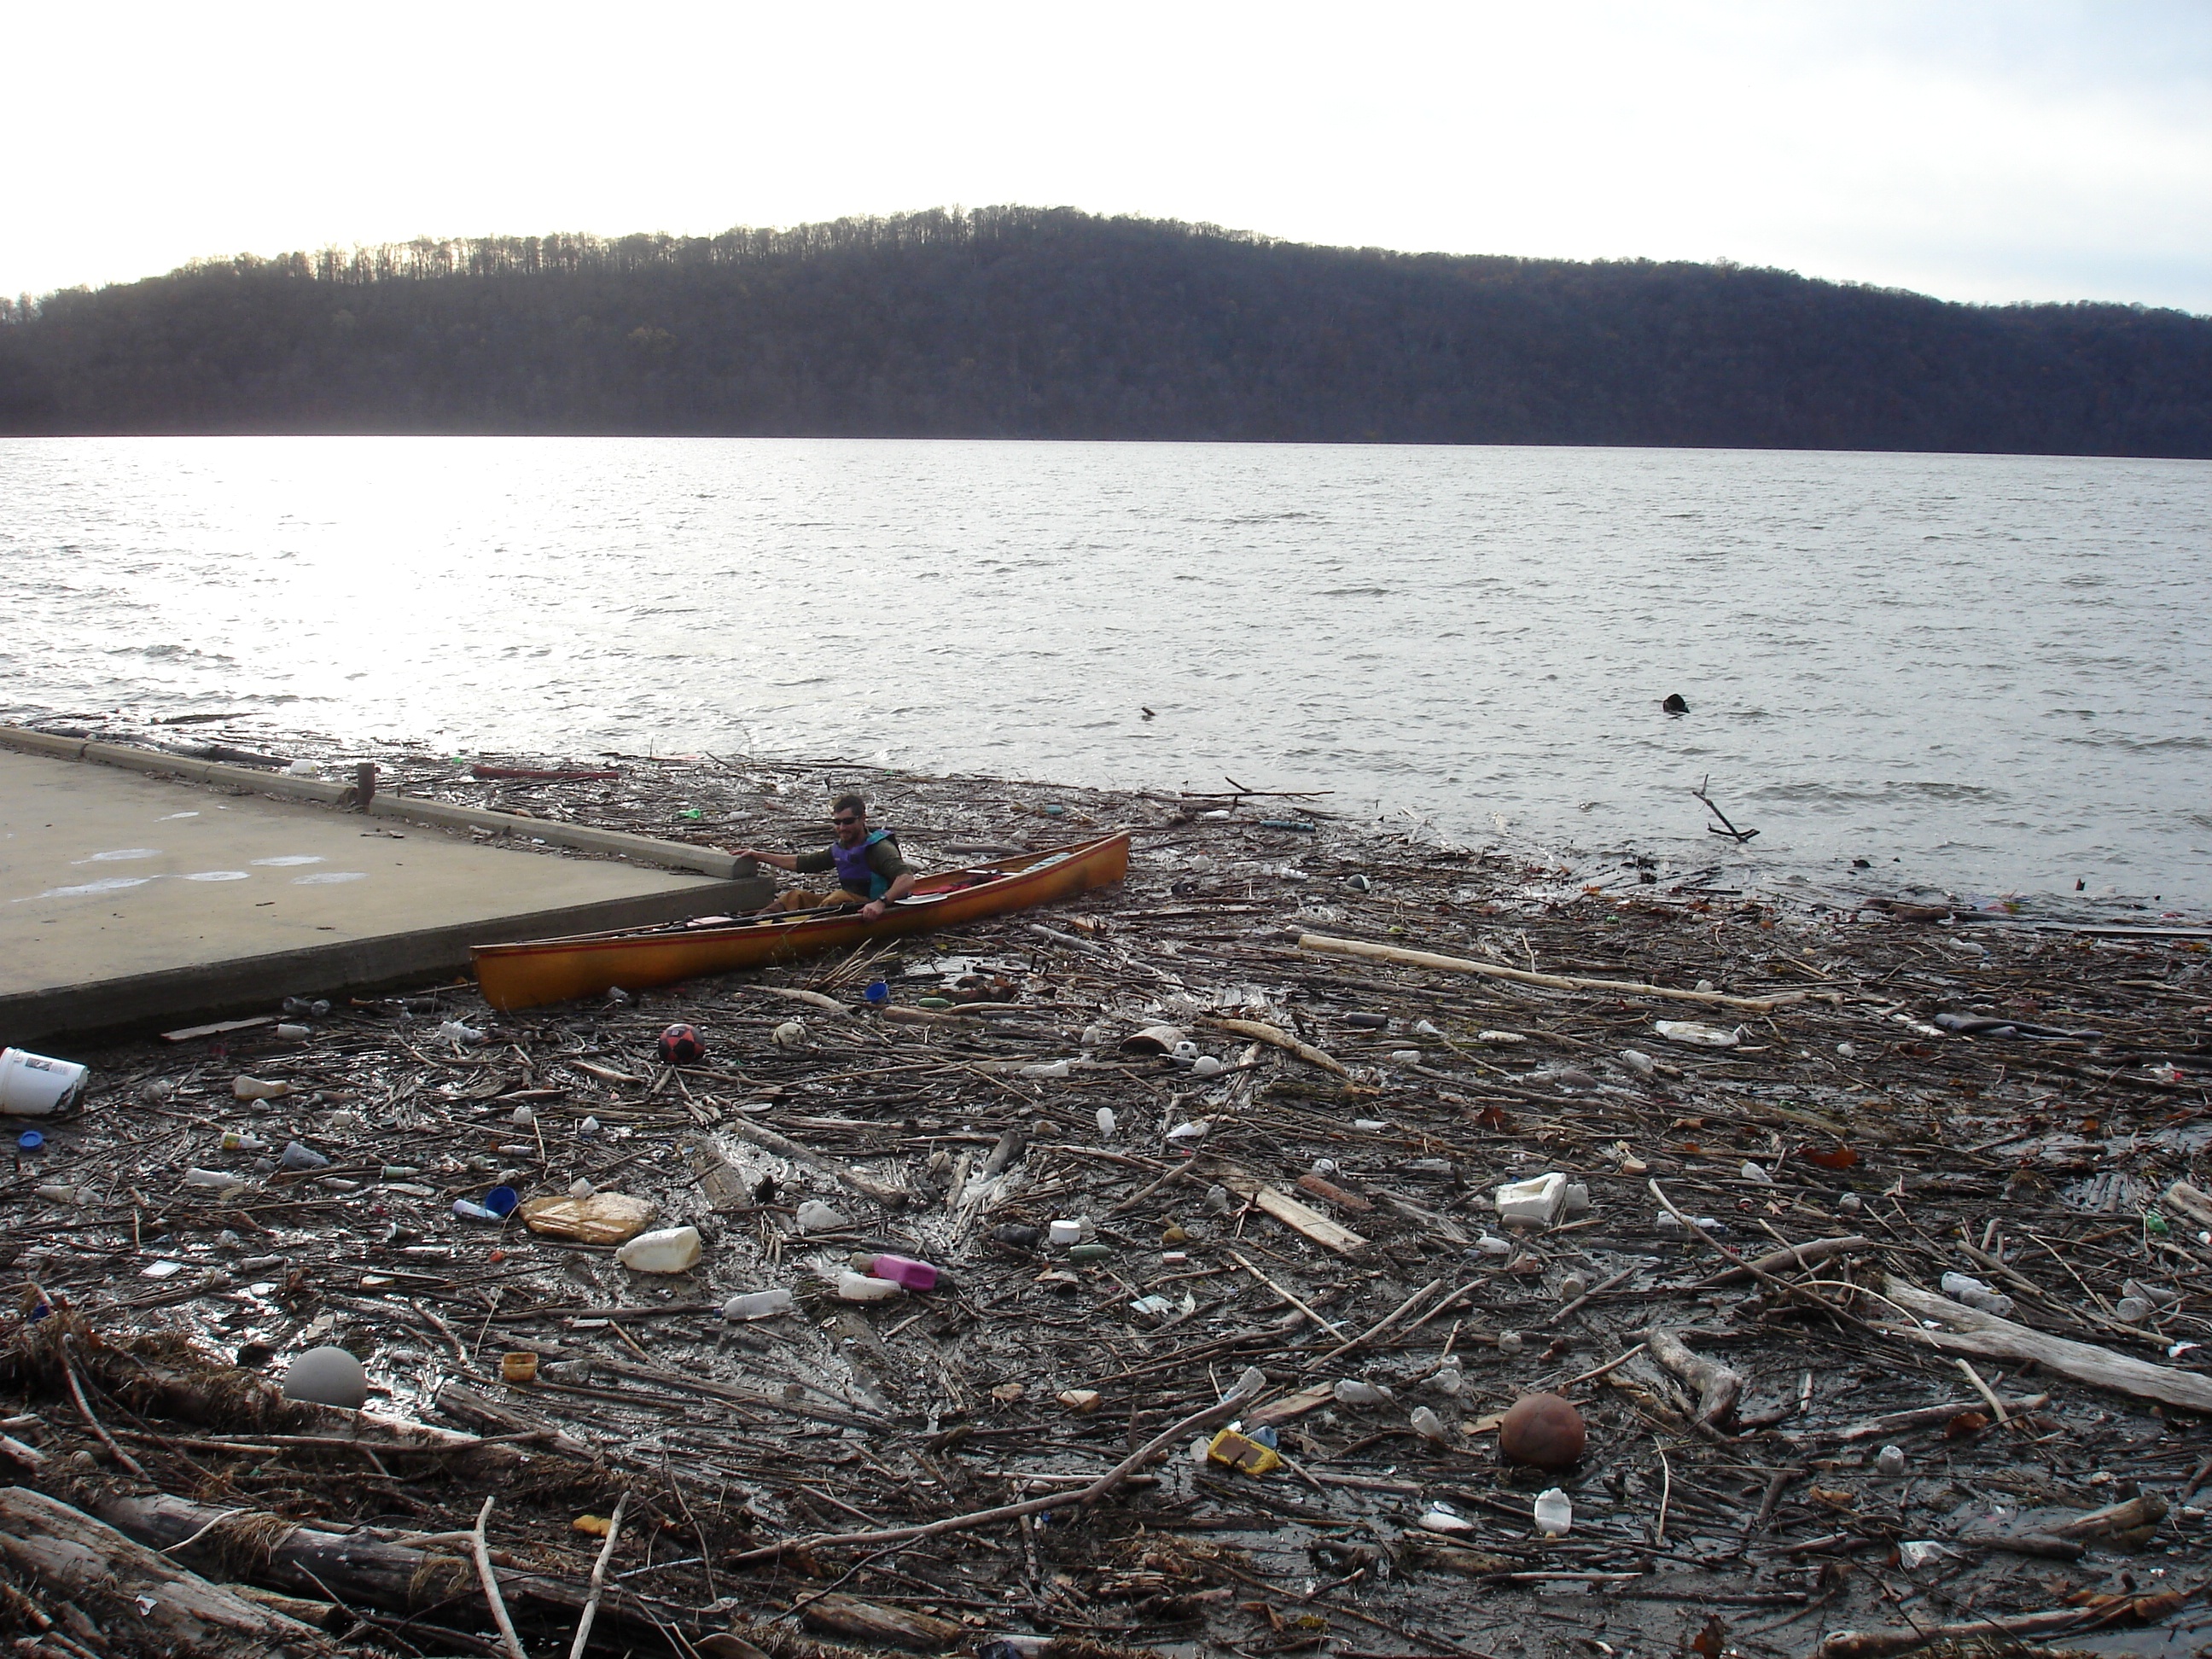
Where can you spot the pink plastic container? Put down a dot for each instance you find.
(905, 1270)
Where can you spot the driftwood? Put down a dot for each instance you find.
(1984, 1334)
(1930, 1417)
(873, 1624)
(357, 1570)
(1299, 1217)
(124, 1583)
(1717, 1385)
(783, 1146)
(1358, 947)
(1274, 1039)
(1807, 1254)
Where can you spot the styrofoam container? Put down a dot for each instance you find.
(1538, 1199)
(33, 1085)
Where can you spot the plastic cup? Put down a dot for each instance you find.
(501, 1200)
(33, 1085)
(519, 1367)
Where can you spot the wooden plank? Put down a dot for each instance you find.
(1360, 947)
(1286, 1209)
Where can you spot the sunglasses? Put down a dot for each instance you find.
(842, 822)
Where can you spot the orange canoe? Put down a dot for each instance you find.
(526, 975)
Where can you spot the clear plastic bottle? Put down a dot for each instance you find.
(1430, 1427)
(1509, 1342)
(758, 1304)
(254, 1088)
(1350, 1391)
(1106, 1120)
(1889, 1462)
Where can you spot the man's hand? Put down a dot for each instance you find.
(874, 910)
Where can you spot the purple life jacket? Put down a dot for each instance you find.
(854, 874)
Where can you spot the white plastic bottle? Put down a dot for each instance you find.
(665, 1250)
(867, 1287)
(1555, 1513)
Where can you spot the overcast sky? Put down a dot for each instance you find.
(1997, 152)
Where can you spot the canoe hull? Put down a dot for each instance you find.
(529, 974)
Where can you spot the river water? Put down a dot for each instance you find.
(1983, 673)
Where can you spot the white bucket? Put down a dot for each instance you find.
(32, 1085)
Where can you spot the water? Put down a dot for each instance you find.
(1986, 673)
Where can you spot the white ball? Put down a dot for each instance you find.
(327, 1377)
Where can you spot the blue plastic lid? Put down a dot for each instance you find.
(878, 991)
(30, 1141)
(501, 1200)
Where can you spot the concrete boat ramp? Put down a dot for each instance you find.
(134, 901)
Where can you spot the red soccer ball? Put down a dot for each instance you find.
(680, 1046)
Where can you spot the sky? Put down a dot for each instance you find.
(1990, 152)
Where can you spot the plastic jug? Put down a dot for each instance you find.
(902, 1269)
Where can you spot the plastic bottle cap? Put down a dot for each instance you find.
(30, 1141)
(501, 1200)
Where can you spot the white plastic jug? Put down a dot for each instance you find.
(33, 1085)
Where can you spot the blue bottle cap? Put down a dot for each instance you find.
(501, 1200)
(30, 1141)
(878, 991)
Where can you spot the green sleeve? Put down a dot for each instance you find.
(883, 859)
(814, 863)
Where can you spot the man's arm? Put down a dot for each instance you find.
(791, 861)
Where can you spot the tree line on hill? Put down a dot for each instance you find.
(1048, 323)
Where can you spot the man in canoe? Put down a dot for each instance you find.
(869, 872)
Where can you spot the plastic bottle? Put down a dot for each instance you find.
(1207, 1066)
(1509, 1342)
(468, 1209)
(758, 1304)
(1890, 1462)
(1491, 1244)
(293, 1033)
(2132, 1309)
(221, 1180)
(318, 1007)
(867, 1287)
(1571, 1286)
(297, 1156)
(1051, 1068)
(1555, 1513)
(900, 1269)
(254, 1088)
(1964, 1287)
(1428, 1426)
(1449, 1379)
(56, 1192)
(665, 1250)
(1350, 1391)
(522, 1117)
(1106, 1120)
(234, 1142)
(816, 1216)
(1217, 1201)
(454, 1031)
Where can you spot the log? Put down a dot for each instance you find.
(1881, 1643)
(2192, 1203)
(1357, 947)
(1981, 1334)
(1717, 1385)
(127, 1586)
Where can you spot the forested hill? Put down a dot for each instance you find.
(1014, 322)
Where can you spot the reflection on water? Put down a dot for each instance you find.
(1987, 672)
